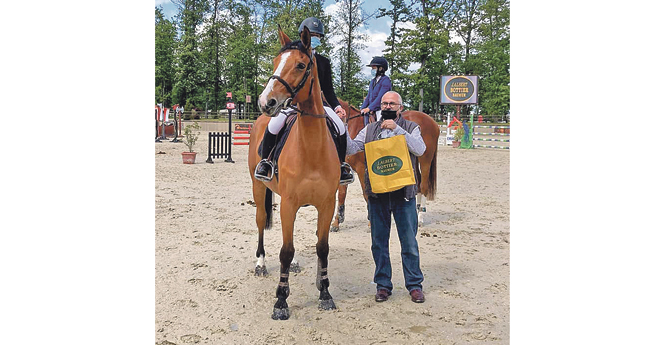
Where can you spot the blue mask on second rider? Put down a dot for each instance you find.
(315, 42)
(373, 73)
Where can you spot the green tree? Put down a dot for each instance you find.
(493, 58)
(399, 13)
(468, 17)
(190, 72)
(350, 16)
(427, 44)
(165, 43)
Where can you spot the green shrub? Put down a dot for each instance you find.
(458, 135)
(191, 134)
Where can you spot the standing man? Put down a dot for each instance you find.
(400, 203)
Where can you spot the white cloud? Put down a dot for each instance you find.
(407, 25)
(374, 47)
(455, 38)
(332, 9)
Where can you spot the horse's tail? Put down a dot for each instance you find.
(432, 177)
(269, 208)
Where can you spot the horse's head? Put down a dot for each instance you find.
(293, 69)
(355, 120)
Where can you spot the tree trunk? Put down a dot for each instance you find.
(421, 91)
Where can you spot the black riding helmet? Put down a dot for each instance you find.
(378, 61)
(313, 24)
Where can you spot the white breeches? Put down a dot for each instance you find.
(277, 123)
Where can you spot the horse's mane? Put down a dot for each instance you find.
(344, 103)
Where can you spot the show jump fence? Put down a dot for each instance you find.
(500, 131)
(480, 133)
(218, 145)
(219, 142)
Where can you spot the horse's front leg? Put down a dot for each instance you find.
(322, 250)
(287, 215)
(341, 195)
(263, 199)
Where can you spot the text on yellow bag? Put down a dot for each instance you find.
(389, 165)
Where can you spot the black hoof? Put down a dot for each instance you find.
(280, 314)
(327, 305)
(295, 268)
(260, 271)
(334, 228)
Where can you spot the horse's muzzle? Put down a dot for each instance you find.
(270, 107)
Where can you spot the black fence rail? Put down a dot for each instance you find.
(219, 146)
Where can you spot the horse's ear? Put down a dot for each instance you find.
(306, 38)
(284, 39)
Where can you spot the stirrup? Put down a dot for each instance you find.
(350, 180)
(264, 178)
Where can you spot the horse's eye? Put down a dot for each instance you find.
(301, 65)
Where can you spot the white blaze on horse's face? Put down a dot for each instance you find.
(265, 98)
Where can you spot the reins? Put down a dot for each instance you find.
(293, 92)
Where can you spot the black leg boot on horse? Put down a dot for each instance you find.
(264, 170)
(346, 172)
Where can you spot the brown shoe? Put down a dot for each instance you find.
(417, 296)
(382, 295)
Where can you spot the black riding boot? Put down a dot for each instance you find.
(264, 170)
(346, 172)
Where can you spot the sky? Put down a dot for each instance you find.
(377, 29)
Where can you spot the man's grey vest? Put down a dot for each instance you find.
(372, 133)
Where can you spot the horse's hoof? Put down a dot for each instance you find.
(280, 314)
(334, 228)
(260, 271)
(295, 268)
(327, 304)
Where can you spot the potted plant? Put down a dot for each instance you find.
(190, 136)
(458, 136)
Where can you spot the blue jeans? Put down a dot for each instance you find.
(381, 210)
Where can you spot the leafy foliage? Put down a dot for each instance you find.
(190, 135)
(212, 47)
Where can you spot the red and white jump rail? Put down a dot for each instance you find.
(243, 137)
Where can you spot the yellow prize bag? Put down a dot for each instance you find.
(389, 165)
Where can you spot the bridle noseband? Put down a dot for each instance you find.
(294, 91)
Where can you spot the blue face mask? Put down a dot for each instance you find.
(315, 42)
(373, 73)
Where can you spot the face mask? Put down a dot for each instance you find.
(373, 73)
(388, 114)
(315, 42)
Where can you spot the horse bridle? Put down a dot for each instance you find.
(294, 91)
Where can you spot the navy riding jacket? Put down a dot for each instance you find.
(376, 92)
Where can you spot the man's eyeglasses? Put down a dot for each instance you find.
(388, 104)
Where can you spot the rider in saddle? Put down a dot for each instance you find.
(264, 170)
(377, 87)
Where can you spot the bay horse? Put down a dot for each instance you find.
(309, 168)
(425, 171)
